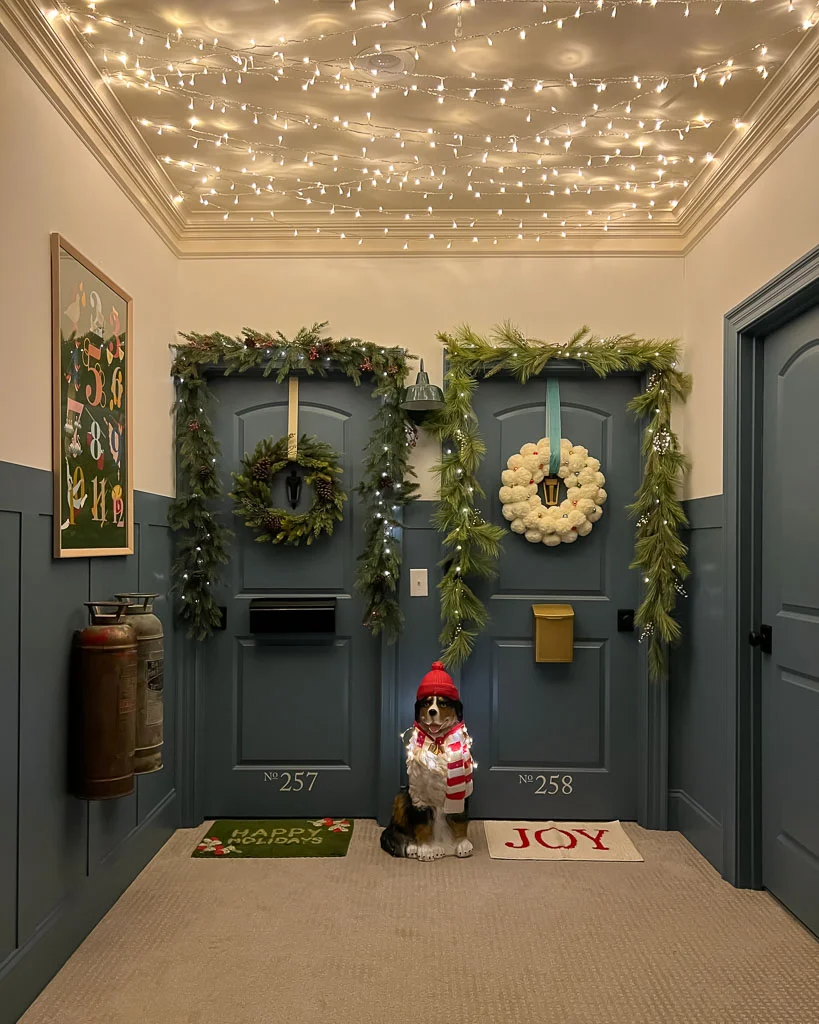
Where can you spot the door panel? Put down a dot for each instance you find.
(558, 741)
(790, 604)
(274, 708)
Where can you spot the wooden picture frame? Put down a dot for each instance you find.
(92, 329)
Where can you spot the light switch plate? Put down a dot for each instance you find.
(419, 587)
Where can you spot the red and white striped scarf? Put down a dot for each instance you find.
(454, 748)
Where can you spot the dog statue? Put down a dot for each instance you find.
(429, 817)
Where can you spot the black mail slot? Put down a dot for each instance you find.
(277, 615)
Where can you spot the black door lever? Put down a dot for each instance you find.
(762, 639)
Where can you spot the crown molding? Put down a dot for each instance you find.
(58, 64)
(780, 112)
(319, 235)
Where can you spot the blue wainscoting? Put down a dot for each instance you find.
(697, 700)
(408, 661)
(64, 862)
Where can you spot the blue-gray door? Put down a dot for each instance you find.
(289, 728)
(558, 741)
(790, 605)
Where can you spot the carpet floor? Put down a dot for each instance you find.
(370, 940)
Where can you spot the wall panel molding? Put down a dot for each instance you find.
(696, 799)
(65, 861)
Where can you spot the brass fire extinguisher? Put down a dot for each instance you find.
(150, 681)
(104, 704)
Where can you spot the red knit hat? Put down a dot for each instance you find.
(437, 683)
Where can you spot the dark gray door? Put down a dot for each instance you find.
(790, 605)
(558, 741)
(289, 728)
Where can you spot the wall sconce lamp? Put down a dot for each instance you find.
(423, 396)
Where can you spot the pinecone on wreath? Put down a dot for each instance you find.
(271, 522)
(261, 471)
(205, 473)
(324, 489)
(392, 369)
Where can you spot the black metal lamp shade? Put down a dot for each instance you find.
(423, 396)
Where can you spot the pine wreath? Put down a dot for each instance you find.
(251, 491)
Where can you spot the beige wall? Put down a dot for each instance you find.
(405, 301)
(773, 224)
(50, 182)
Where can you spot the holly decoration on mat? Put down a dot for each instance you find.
(332, 824)
(251, 491)
(215, 846)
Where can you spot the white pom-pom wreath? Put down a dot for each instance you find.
(552, 524)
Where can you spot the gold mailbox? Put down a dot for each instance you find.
(554, 632)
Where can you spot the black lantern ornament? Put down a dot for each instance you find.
(292, 485)
(423, 396)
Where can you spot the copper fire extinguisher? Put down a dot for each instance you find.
(150, 680)
(104, 703)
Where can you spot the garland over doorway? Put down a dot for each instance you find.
(386, 485)
(473, 545)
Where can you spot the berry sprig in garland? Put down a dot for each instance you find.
(251, 491)
(473, 545)
(386, 486)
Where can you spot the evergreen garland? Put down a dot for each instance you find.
(473, 545)
(385, 488)
(251, 491)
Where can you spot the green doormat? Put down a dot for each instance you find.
(297, 837)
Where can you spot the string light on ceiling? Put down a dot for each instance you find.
(439, 119)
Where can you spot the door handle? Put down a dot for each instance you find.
(763, 639)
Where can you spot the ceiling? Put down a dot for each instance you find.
(433, 123)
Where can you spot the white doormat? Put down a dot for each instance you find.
(559, 840)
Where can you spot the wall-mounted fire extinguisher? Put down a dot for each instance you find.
(150, 680)
(104, 703)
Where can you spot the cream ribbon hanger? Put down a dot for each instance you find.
(292, 417)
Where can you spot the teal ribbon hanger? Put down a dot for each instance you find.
(553, 430)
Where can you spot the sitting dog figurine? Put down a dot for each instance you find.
(429, 818)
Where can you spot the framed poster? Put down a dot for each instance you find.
(92, 325)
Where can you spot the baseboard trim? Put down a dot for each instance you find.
(700, 828)
(31, 967)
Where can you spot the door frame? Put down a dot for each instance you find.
(652, 696)
(189, 707)
(746, 326)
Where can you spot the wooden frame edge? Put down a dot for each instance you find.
(57, 244)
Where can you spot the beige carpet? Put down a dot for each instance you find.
(372, 940)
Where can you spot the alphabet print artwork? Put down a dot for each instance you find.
(91, 337)
(559, 840)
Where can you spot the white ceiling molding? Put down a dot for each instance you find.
(67, 76)
(780, 113)
(73, 85)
